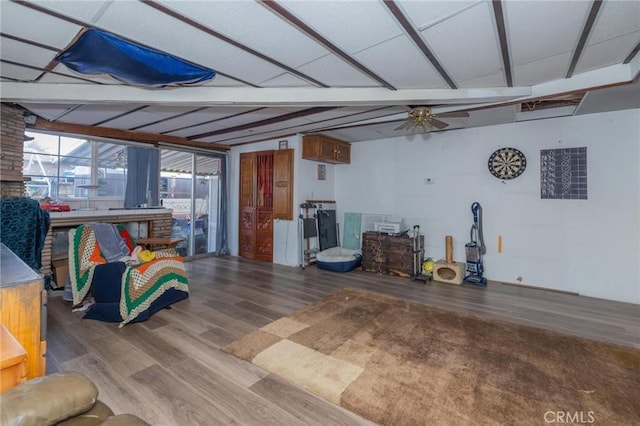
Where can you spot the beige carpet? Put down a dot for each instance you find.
(398, 363)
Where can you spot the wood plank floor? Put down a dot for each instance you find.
(170, 370)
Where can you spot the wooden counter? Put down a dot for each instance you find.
(22, 298)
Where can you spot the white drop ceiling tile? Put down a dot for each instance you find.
(348, 112)
(616, 18)
(492, 116)
(402, 64)
(163, 126)
(285, 80)
(542, 29)
(47, 111)
(98, 78)
(238, 120)
(223, 81)
(351, 25)
(424, 14)
(25, 53)
(611, 99)
(164, 111)
(335, 72)
(494, 79)
(205, 115)
(260, 29)
(86, 10)
(18, 73)
(214, 113)
(262, 132)
(134, 119)
(610, 52)
(29, 24)
(548, 69)
(91, 114)
(50, 78)
(149, 27)
(369, 133)
(466, 38)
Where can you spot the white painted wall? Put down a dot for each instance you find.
(587, 246)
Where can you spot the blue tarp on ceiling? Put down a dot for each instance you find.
(99, 52)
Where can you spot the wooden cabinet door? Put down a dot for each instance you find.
(247, 222)
(327, 150)
(283, 184)
(342, 152)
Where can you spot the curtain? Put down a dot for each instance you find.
(143, 177)
(222, 246)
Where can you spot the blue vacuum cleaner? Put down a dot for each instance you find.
(474, 249)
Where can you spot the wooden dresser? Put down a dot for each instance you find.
(13, 361)
(22, 302)
(386, 254)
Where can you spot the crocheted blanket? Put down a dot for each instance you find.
(141, 284)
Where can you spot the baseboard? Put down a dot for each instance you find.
(555, 290)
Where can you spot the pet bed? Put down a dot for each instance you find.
(339, 259)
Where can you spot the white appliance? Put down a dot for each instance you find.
(387, 227)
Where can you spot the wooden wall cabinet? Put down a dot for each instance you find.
(326, 149)
(266, 193)
(22, 302)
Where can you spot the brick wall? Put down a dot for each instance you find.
(11, 144)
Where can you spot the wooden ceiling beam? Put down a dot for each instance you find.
(586, 31)
(124, 135)
(504, 43)
(417, 39)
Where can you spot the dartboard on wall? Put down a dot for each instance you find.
(507, 163)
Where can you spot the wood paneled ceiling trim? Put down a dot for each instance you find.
(202, 123)
(264, 122)
(162, 120)
(285, 14)
(417, 39)
(124, 135)
(123, 114)
(296, 128)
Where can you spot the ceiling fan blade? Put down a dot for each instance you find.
(404, 125)
(437, 123)
(454, 114)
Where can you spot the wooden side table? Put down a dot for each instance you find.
(13, 361)
(156, 243)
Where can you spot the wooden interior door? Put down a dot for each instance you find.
(256, 205)
(247, 222)
(264, 206)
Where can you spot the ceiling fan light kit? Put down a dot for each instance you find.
(422, 117)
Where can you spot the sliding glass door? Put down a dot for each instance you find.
(192, 186)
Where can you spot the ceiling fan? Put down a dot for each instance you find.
(422, 117)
